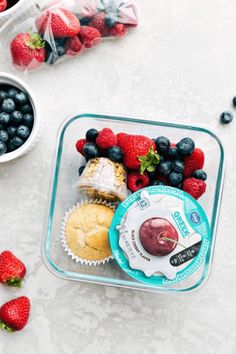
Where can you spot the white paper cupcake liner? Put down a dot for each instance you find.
(74, 257)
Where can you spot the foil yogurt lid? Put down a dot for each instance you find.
(160, 234)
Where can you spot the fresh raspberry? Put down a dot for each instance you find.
(119, 30)
(106, 139)
(195, 187)
(89, 36)
(134, 148)
(99, 22)
(193, 162)
(80, 145)
(73, 46)
(136, 181)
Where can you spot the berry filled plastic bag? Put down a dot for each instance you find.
(63, 29)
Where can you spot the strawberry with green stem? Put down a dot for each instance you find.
(28, 50)
(14, 314)
(12, 270)
(139, 152)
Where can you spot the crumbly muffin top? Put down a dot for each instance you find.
(87, 231)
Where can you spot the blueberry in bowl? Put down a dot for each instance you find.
(19, 118)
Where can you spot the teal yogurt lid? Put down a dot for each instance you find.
(159, 235)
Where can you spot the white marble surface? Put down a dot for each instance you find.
(179, 64)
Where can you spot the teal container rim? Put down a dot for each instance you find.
(69, 275)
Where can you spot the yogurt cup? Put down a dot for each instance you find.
(160, 234)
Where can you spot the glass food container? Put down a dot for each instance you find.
(64, 194)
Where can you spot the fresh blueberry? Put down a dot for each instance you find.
(12, 92)
(4, 118)
(164, 168)
(48, 49)
(175, 178)
(157, 183)
(173, 153)
(52, 58)
(60, 42)
(10, 146)
(234, 101)
(115, 153)
(161, 158)
(200, 174)
(152, 175)
(85, 21)
(111, 20)
(3, 148)
(91, 134)
(16, 117)
(81, 169)
(16, 142)
(162, 144)
(226, 117)
(28, 120)
(185, 146)
(3, 95)
(23, 132)
(11, 131)
(3, 135)
(21, 98)
(177, 166)
(90, 150)
(8, 105)
(26, 108)
(60, 51)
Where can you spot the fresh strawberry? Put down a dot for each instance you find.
(89, 36)
(119, 30)
(121, 139)
(136, 181)
(14, 314)
(195, 187)
(80, 145)
(193, 162)
(12, 270)
(139, 152)
(59, 23)
(3, 5)
(28, 50)
(106, 139)
(99, 22)
(73, 46)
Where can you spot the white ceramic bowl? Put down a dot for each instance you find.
(30, 143)
(21, 7)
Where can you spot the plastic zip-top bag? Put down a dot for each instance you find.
(61, 30)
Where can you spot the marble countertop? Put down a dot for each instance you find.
(179, 64)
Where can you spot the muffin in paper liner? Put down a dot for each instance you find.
(67, 218)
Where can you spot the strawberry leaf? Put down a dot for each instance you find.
(149, 161)
(14, 282)
(4, 326)
(35, 41)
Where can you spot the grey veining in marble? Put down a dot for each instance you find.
(179, 64)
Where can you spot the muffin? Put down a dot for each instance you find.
(86, 231)
(103, 178)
